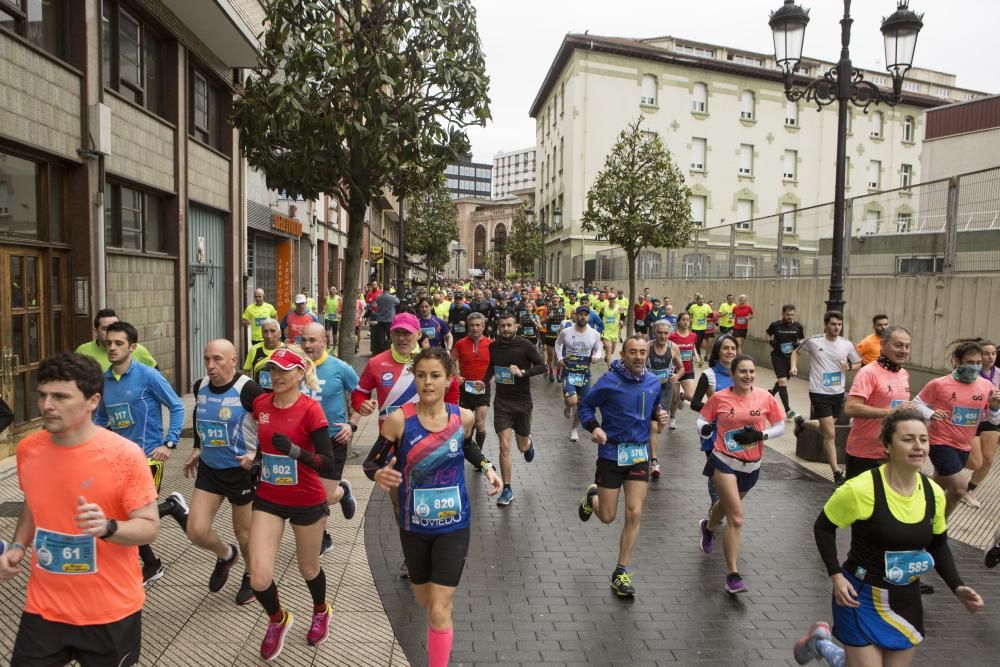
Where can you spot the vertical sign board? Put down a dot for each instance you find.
(283, 298)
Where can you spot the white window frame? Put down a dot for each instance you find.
(745, 167)
(748, 103)
(908, 127)
(788, 215)
(904, 222)
(695, 164)
(699, 97)
(698, 203)
(744, 221)
(905, 175)
(877, 126)
(745, 266)
(875, 174)
(791, 113)
(790, 158)
(644, 97)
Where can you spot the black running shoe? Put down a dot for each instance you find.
(348, 505)
(327, 544)
(799, 425)
(993, 555)
(220, 574)
(838, 478)
(245, 595)
(621, 584)
(586, 508)
(151, 573)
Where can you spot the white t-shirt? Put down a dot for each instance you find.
(825, 374)
(571, 342)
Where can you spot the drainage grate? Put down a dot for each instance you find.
(11, 510)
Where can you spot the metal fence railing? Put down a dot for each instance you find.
(949, 226)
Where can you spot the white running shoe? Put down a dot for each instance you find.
(673, 423)
(573, 435)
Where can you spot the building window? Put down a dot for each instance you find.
(789, 266)
(791, 113)
(483, 173)
(908, 129)
(903, 222)
(698, 146)
(562, 98)
(698, 210)
(744, 214)
(22, 214)
(876, 130)
(875, 174)
(915, 265)
(746, 160)
(133, 220)
(905, 175)
(746, 105)
(789, 171)
(209, 110)
(694, 51)
(451, 169)
(788, 217)
(699, 99)
(744, 266)
(696, 265)
(479, 248)
(132, 64)
(468, 172)
(562, 154)
(41, 22)
(648, 95)
(746, 60)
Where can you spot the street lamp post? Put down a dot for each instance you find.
(842, 84)
(556, 220)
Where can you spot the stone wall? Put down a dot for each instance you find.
(208, 177)
(142, 146)
(141, 290)
(40, 99)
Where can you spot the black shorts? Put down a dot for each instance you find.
(236, 484)
(725, 330)
(826, 405)
(305, 515)
(857, 465)
(550, 342)
(512, 413)
(738, 333)
(687, 376)
(986, 427)
(700, 337)
(437, 559)
(156, 468)
(948, 460)
(473, 401)
(333, 326)
(781, 364)
(45, 643)
(610, 475)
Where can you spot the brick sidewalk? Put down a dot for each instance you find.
(535, 587)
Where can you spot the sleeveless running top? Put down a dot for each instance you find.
(223, 425)
(882, 534)
(432, 497)
(661, 365)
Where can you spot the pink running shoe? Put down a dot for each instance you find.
(320, 628)
(274, 640)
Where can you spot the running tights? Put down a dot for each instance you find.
(831, 654)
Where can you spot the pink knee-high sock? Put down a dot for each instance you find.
(439, 647)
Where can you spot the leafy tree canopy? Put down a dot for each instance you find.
(431, 225)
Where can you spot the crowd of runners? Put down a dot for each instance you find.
(271, 437)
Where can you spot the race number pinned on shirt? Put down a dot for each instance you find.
(264, 380)
(120, 416)
(965, 416)
(786, 348)
(213, 434)
(732, 445)
(503, 374)
(686, 355)
(905, 567)
(662, 373)
(895, 403)
(700, 322)
(473, 387)
(279, 470)
(576, 379)
(610, 319)
(833, 379)
(430, 332)
(529, 331)
(459, 327)
(437, 504)
(631, 453)
(258, 321)
(741, 320)
(60, 553)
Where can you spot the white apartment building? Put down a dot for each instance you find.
(747, 152)
(513, 172)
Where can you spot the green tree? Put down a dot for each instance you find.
(353, 96)
(639, 199)
(431, 225)
(524, 245)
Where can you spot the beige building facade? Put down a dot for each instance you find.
(483, 225)
(745, 150)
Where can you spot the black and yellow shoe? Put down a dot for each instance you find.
(621, 584)
(586, 509)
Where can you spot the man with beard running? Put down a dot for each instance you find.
(513, 360)
(576, 348)
(629, 400)
(785, 335)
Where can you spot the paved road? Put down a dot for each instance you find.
(535, 588)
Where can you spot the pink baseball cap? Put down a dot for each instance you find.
(406, 322)
(286, 360)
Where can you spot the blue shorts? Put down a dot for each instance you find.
(948, 460)
(570, 389)
(891, 619)
(744, 480)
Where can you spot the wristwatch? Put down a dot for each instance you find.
(354, 427)
(111, 529)
(170, 445)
